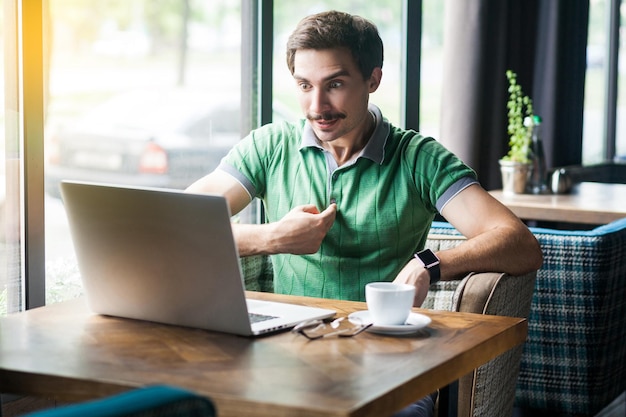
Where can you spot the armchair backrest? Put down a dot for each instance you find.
(257, 273)
(574, 359)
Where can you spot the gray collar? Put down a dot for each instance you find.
(375, 147)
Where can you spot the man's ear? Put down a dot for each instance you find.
(374, 81)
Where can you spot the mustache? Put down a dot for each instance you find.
(325, 116)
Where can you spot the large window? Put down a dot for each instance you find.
(147, 92)
(140, 92)
(3, 181)
(21, 113)
(10, 157)
(604, 135)
(431, 71)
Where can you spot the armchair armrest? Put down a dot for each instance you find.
(495, 293)
(490, 389)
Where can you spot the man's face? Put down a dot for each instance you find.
(333, 94)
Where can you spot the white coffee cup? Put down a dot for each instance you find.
(389, 303)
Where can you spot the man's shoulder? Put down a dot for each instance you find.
(421, 151)
(408, 142)
(408, 136)
(272, 137)
(281, 130)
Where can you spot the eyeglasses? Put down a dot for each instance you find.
(317, 329)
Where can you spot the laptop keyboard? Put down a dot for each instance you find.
(256, 318)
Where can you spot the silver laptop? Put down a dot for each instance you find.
(169, 257)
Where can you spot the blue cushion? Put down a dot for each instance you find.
(615, 226)
(153, 401)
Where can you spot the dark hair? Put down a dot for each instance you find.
(333, 29)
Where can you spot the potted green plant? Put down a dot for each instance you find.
(515, 165)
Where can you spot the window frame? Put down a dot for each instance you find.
(611, 74)
(31, 95)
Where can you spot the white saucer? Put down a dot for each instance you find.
(414, 323)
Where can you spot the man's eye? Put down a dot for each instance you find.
(335, 84)
(304, 86)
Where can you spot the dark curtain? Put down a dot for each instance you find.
(544, 42)
(559, 78)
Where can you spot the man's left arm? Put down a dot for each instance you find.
(497, 241)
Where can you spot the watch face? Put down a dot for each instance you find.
(428, 257)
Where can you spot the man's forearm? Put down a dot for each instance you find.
(300, 232)
(250, 239)
(514, 253)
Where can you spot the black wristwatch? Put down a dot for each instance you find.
(429, 261)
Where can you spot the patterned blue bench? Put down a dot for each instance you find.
(574, 360)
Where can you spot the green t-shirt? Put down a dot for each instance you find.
(386, 200)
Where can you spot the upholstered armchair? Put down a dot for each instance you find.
(574, 359)
(153, 401)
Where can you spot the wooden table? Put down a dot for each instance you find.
(63, 351)
(587, 203)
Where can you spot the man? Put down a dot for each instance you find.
(349, 198)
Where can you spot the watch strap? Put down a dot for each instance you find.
(430, 262)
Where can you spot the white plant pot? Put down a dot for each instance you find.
(514, 176)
